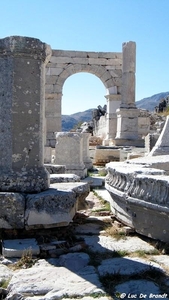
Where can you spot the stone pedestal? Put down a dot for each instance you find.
(86, 156)
(69, 152)
(22, 79)
(127, 128)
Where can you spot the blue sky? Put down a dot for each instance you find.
(97, 25)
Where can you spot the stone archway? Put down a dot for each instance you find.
(107, 66)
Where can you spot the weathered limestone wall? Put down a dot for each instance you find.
(100, 129)
(107, 66)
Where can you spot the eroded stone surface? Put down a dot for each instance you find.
(58, 178)
(126, 266)
(55, 169)
(106, 243)
(12, 210)
(21, 142)
(50, 208)
(5, 273)
(139, 289)
(74, 261)
(46, 280)
(139, 198)
(81, 190)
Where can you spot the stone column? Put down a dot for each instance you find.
(86, 156)
(128, 75)
(113, 103)
(53, 115)
(22, 112)
(127, 114)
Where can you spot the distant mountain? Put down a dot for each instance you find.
(70, 121)
(149, 103)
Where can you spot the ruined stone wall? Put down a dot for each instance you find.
(107, 66)
(100, 128)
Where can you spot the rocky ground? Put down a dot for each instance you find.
(95, 257)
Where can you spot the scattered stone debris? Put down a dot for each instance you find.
(92, 262)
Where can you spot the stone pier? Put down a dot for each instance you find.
(22, 100)
(113, 103)
(127, 114)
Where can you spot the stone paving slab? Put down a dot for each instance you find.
(5, 273)
(163, 260)
(126, 266)
(104, 243)
(139, 289)
(103, 193)
(74, 261)
(89, 228)
(53, 282)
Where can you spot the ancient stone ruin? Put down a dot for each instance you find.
(35, 195)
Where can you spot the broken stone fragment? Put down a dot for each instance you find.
(50, 208)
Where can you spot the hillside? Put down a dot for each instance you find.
(149, 103)
(70, 121)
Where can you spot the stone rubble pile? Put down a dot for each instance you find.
(96, 264)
